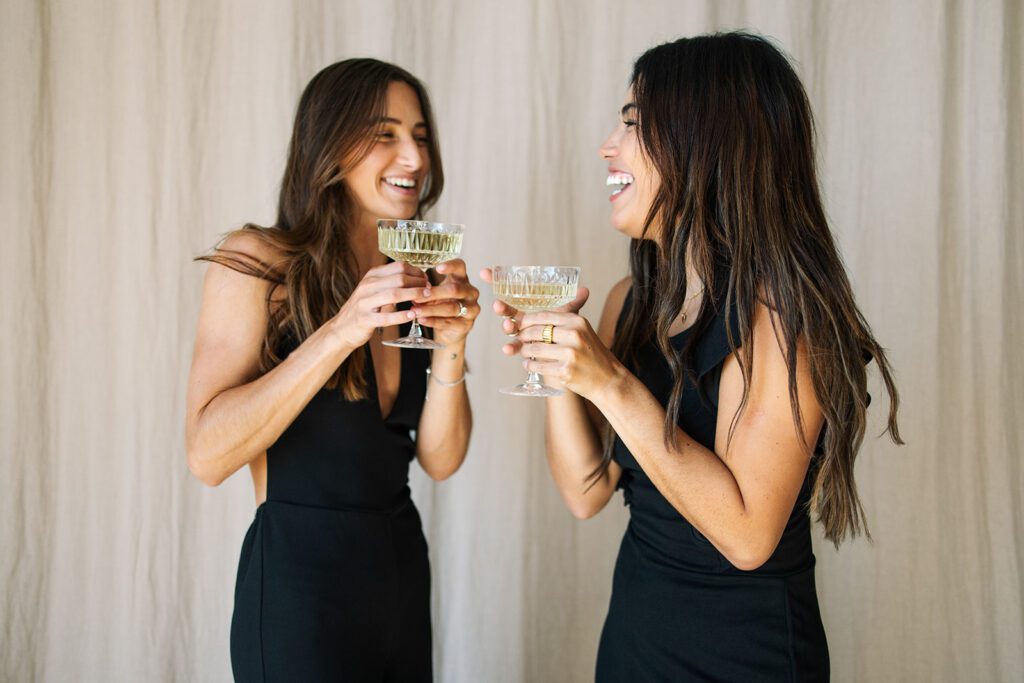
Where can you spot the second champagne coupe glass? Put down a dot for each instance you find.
(424, 245)
(532, 289)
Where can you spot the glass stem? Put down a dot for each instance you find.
(533, 379)
(414, 330)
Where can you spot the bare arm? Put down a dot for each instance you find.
(232, 413)
(739, 497)
(442, 437)
(573, 426)
(573, 432)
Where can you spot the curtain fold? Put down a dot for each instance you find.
(133, 134)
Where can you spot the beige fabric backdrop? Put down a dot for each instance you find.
(133, 132)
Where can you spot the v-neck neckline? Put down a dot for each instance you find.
(376, 387)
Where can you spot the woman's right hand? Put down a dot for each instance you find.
(512, 317)
(372, 303)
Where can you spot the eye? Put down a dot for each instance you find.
(385, 135)
(422, 141)
(629, 124)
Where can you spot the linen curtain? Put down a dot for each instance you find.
(134, 133)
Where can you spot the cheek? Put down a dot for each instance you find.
(648, 183)
(649, 191)
(362, 180)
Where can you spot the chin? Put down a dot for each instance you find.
(407, 211)
(400, 211)
(627, 228)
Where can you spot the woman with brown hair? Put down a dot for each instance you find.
(290, 377)
(725, 388)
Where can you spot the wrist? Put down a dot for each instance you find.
(339, 339)
(447, 382)
(612, 389)
(451, 354)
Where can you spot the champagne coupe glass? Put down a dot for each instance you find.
(532, 289)
(424, 245)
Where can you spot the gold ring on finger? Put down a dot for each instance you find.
(548, 334)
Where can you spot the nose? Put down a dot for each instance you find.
(609, 149)
(410, 155)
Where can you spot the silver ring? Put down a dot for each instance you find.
(462, 310)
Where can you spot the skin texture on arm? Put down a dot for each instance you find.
(740, 495)
(573, 432)
(442, 438)
(232, 413)
(573, 426)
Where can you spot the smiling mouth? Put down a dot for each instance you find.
(619, 181)
(406, 187)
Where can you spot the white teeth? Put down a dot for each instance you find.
(619, 179)
(400, 182)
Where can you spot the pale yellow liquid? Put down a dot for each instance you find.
(534, 296)
(419, 248)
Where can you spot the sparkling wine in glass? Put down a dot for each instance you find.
(424, 245)
(532, 289)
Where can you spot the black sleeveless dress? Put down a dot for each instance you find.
(333, 582)
(679, 610)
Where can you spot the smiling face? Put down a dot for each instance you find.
(631, 177)
(387, 183)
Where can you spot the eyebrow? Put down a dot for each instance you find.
(629, 107)
(398, 122)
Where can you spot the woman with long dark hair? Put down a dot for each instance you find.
(725, 388)
(291, 378)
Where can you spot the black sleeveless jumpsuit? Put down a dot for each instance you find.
(333, 582)
(679, 610)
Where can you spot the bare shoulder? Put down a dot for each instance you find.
(241, 263)
(768, 400)
(249, 246)
(233, 313)
(612, 308)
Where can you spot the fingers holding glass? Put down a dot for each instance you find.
(423, 245)
(532, 289)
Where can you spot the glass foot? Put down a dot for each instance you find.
(413, 343)
(531, 389)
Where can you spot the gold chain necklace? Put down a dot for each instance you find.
(682, 316)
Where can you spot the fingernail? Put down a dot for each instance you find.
(411, 314)
(426, 292)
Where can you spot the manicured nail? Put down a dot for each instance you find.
(410, 314)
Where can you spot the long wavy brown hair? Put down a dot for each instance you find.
(334, 130)
(727, 125)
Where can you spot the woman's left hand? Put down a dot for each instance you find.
(441, 309)
(576, 358)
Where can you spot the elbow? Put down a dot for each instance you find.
(747, 563)
(440, 473)
(750, 555)
(200, 468)
(583, 507)
(582, 512)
